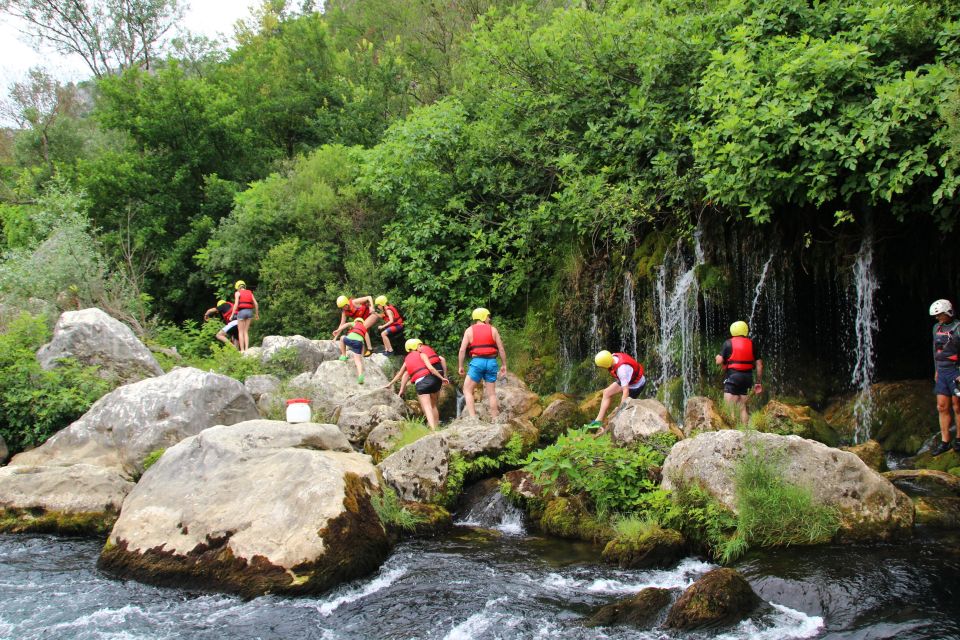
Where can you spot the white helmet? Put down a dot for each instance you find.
(941, 306)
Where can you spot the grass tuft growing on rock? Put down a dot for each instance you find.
(391, 511)
(411, 430)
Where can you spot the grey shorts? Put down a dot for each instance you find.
(244, 314)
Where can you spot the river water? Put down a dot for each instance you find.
(483, 584)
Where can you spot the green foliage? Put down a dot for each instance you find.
(698, 515)
(152, 457)
(35, 404)
(462, 470)
(391, 511)
(634, 528)
(615, 478)
(411, 430)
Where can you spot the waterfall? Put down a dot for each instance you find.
(492, 510)
(628, 337)
(678, 318)
(595, 319)
(759, 290)
(865, 286)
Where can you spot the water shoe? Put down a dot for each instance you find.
(360, 379)
(941, 448)
(342, 358)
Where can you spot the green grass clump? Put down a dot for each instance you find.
(152, 457)
(411, 430)
(391, 511)
(633, 528)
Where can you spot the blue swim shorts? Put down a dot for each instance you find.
(944, 386)
(485, 369)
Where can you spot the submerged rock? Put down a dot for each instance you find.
(869, 506)
(91, 337)
(253, 508)
(639, 419)
(721, 597)
(642, 610)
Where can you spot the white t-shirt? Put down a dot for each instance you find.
(624, 373)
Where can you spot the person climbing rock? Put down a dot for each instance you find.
(351, 309)
(392, 326)
(628, 381)
(739, 358)
(946, 347)
(229, 333)
(482, 341)
(427, 371)
(354, 342)
(245, 310)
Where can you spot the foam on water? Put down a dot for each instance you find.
(479, 622)
(785, 624)
(379, 583)
(681, 577)
(495, 513)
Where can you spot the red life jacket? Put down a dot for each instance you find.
(226, 314)
(483, 344)
(414, 366)
(397, 318)
(358, 328)
(620, 359)
(358, 311)
(741, 358)
(246, 299)
(431, 354)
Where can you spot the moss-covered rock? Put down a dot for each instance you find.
(656, 549)
(432, 519)
(904, 415)
(641, 610)
(86, 523)
(721, 597)
(561, 414)
(795, 420)
(568, 517)
(870, 452)
(590, 405)
(946, 462)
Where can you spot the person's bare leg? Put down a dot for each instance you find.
(731, 401)
(243, 327)
(358, 361)
(606, 398)
(943, 411)
(435, 403)
(386, 341)
(371, 320)
(744, 415)
(468, 386)
(490, 388)
(222, 337)
(427, 410)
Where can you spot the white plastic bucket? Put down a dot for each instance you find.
(298, 410)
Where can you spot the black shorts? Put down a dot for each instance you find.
(394, 329)
(428, 384)
(738, 383)
(354, 346)
(635, 393)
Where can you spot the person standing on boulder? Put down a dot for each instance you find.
(245, 311)
(228, 334)
(739, 357)
(354, 341)
(482, 341)
(352, 309)
(392, 326)
(946, 347)
(628, 381)
(427, 371)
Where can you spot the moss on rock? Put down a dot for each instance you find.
(904, 415)
(870, 452)
(641, 610)
(795, 420)
(568, 517)
(721, 597)
(86, 523)
(656, 549)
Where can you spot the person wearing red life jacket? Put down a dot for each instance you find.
(245, 310)
(739, 358)
(350, 310)
(628, 381)
(392, 325)
(946, 367)
(354, 342)
(427, 371)
(482, 341)
(228, 334)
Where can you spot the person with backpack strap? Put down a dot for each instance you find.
(482, 341)
(393, 323)
(628, 381)
(946, 367)
(739, 357)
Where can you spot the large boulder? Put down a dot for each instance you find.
(795, 420)
(721, 597)
(419, 470)
(639, 419)
(870, 452)
(336, 381)
(870, 507)
(701, 414)
(514, 398)
(254, 508)
(360, 414)
(654, 549)
(308, 354)
(92, 337)
(78, 499)
(560, 415)
(259, 385)
(935, 495)
(904, 415)
(472, 437)
(382, 439)
(125, 425)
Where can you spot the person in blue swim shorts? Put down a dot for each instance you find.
(946, 364)
(482, 341)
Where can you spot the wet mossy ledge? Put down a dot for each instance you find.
(36, 520)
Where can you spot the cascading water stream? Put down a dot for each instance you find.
(759, 290)
(628, 336)
(595, 319)
(865, 285)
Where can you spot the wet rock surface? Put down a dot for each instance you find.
(721, 597)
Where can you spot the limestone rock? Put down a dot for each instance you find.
(253, 508)
(569, 517)
(309, 355)
(419, 470)
(701, 414)
(657, 549)
(357, 422)
(590, 405)
(721, 597)
(513, 397)
(336, 381)
(259, 385)
(870, 452)
(329, 348)
(796, 420)
(125, 425)
(937, 512)
(642, 610)
(253, 352)
(640, 419)
(904, 416)
(870, 507)
(382, 438)
(76, 499)
(472, 437)
(559, 416)
(92, 337)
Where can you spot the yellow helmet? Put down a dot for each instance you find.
(381, 300)
(480, 314)
(413, 344)
(221, 302)
(739, 328)
(604, 359)
(240, 283)
(356, 320)
(342, 301)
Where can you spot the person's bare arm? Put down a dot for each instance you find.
(759, 368)
(396, 377)
(210, 313)
(503, 352)
(430, 367)
(236, 303)
(343, 321)
(256, 307)
(719, 359)
(467, 336)
(403, 382)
